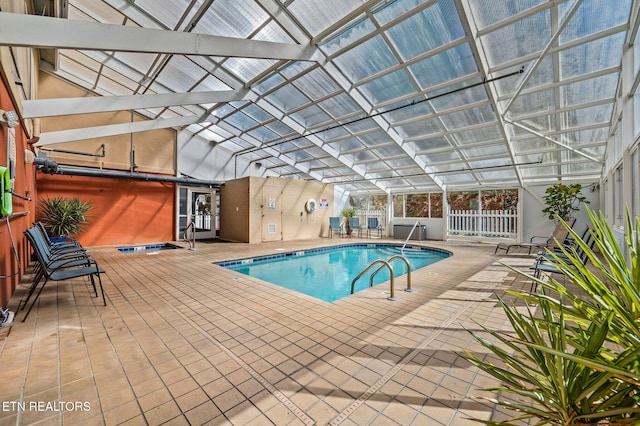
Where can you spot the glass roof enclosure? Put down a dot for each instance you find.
(395, 96)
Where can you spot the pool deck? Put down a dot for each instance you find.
(185, 342)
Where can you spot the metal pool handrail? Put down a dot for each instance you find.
(410, 232)
(375, 262)
(397, 256)
(192, 241)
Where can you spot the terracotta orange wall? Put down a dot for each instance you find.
(24, 184)
(125, 212)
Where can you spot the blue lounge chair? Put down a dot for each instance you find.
(547, 263)
(354, 224)
(559, 236)
(373, 225)
(335, 226)
(59, 267)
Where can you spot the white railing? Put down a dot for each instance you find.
(483, 223)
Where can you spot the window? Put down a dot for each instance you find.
(369, 202)
(418, 205)
(495, 199)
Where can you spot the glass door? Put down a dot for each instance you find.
(200, 207)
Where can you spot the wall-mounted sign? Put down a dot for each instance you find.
(271, 205)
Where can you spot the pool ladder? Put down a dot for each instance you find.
(385, 264)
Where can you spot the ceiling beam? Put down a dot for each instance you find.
(62, 136)
(18, 30)
(86, 105)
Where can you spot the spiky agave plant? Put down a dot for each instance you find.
(577, 359)
(64, 216)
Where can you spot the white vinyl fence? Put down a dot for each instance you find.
(483, 223)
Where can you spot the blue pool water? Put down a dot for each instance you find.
(327, 273)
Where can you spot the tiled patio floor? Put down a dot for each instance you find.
(185, 342)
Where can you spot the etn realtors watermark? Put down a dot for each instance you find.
(44, 406)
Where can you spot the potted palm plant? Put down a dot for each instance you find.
(347, 213)
(63, 217)
(576, 359)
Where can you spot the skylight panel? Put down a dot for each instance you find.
(346, 145)
(330, 134)
(588, 137)
(592, 115)
(375, 139)
(419, 128)
(247, 68)
(487, 150)
(589, 90)
(543, 100)
(316, 84)
(209, 135)
(594, 16)
(394, 9)
(210, 83)
(445, 66)
(273, 32)
(257, 113)
(280, 128)
(439, 157)
(310, 116)
(587, 58)
(316, 16)
(366, 59)
(484, 134)
(508, 43)
(232, 18)
(464, 97)
(430, 144)
(361, 127)
(180, 74)
(502, 176)
(469, 117)
(361, 156)
(347, 37)
(223, 110)
(168, 12)
(404, 162)
(389, 151)
(544, 74)
(79, 65)
(426, 30)
(263, 134)
(114, 84)
(140, 62)
(287, 98)
(407, 113)
(489, 12)
(241, 121)
(340, 105)
(87, 10)
(388, 87)
(268, 84)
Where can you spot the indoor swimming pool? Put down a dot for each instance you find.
(327, 273)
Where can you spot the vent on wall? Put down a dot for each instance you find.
(271, 228)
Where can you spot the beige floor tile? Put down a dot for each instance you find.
(183, 341)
